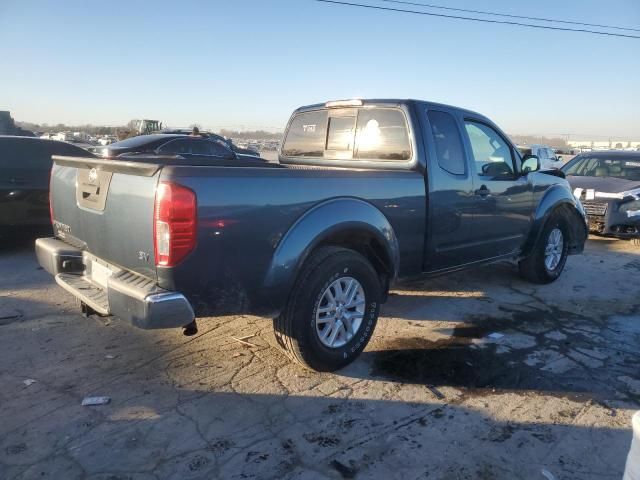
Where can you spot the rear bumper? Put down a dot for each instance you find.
(126, 295)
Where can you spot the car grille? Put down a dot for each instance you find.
(594, 208)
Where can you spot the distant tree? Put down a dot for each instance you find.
(251, 134)
(61, 127)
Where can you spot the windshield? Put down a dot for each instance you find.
(627, 168)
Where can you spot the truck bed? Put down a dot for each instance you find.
(243, 214)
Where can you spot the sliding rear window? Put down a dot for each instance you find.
(378, 134)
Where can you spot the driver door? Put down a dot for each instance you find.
(503, 199)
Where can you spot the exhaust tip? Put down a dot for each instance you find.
(190, 330)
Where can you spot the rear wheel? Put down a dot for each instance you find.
(548, 257)
(332, 310)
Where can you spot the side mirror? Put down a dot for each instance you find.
(559, 158)
(530, 163)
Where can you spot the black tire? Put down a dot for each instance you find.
(533, 267)
(295, 328)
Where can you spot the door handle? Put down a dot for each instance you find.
(483, 191)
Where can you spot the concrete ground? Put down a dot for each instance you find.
(435, 395)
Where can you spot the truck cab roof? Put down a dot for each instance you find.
(386, 102)
(363, 133)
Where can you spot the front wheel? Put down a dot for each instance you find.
(546, 261)
(332, 310)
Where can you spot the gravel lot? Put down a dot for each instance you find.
(432, 397)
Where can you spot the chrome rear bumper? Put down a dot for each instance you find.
(126, 295)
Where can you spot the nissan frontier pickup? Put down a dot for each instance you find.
(365, 193)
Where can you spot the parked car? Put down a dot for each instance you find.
(107, 140)
(25, 165)
(368, 192)
(237, 149)
(608, 184)
(178, 149)
(547, 155)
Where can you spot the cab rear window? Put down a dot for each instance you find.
(349, 134)
(307, 135)
(382, 134)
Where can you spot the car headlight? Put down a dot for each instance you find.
(632, 209)
(635, 193)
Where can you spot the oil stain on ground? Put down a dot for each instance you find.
(460, 362)
(453, 361)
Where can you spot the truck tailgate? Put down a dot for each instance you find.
(106, 206)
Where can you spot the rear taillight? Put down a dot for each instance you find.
(174, 223)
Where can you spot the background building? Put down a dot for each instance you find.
(586, 145)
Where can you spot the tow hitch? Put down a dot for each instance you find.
(85, 309)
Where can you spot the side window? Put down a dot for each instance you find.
(176, 147)
(447, 141)
(199, 147)
(307, 135)
(216, 148)
(491, 153)
(551, 154)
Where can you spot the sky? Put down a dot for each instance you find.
(247, 64)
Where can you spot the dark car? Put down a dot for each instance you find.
(179, 149)
(608, 185)
(25, 166)
(367, 192)
(215, 136)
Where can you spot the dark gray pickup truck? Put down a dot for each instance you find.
(366, 192)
